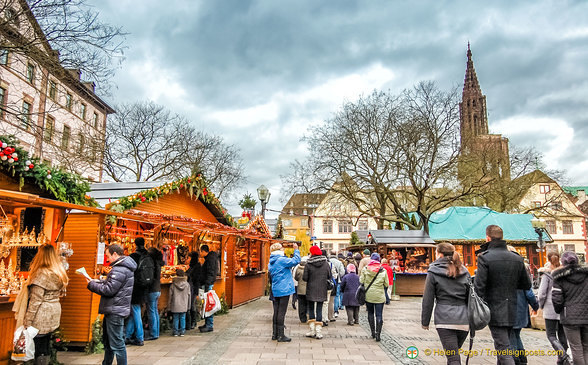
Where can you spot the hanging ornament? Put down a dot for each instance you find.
(4, 158)
(31, 166)
(10, 160)
(15, 159)
(14, 155)
(26, 168)
(49, 176)
(4, 145)
(28, 162)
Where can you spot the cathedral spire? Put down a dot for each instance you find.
(474, 119)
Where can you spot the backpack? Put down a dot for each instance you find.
(145, 273)
(334, 273)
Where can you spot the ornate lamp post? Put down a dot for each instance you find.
(263, 194)
(539, 225)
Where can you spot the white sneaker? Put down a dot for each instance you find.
(336, 315)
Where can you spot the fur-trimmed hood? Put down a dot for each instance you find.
(317, 260)
(575, 274)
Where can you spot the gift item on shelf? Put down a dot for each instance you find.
(247, 257)
(65, 251)
(27, 239)
(10, 282)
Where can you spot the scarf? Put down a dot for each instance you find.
(21, 303)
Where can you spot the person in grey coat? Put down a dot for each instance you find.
(301, 289)
(179, 302)
(447, 284)
(553, 328)
(115, 302)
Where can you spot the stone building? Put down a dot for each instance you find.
(55, 114)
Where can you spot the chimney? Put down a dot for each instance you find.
(581, 196)
(90, 85)
(75, 72)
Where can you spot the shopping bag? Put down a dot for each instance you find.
(23, 348)
(212, 303)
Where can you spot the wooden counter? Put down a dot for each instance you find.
(7, 327)
(248, 287)
(410, 284)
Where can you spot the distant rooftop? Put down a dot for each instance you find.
(574, 189)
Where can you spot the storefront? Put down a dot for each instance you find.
(409, 253)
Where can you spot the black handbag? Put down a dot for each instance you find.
(478, 315)
(361, 290)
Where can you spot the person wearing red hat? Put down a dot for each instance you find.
(317, 273)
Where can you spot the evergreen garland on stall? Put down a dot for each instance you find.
(95, 346)
(61, 185)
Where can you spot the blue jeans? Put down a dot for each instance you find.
(209, 321)
(113, 339)
(338, 298)
(135, 324)
(179, 320)
(375, 308)
(153, 313)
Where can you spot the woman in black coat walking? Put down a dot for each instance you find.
(349, 286)
(316, 273)
(570, 299)
(447, 284)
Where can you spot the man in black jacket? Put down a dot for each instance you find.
(115, 302)
(134, 330)
(209, 273)
(500, 273)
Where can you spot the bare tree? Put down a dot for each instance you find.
(146, 142)
(391, 156)
(62, 34)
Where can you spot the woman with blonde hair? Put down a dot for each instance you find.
(282, 286)
(37, 304)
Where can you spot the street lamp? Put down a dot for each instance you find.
(263, 194)
(539, 225)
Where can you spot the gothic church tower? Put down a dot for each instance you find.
(484, 156)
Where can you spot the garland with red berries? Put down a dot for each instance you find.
(61, 185)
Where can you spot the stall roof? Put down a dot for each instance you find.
(396, 237)
(469, 224)
(103, 193)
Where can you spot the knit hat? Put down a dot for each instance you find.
(349, 254)
(366, 251)
(180, 272)
(315, 251)
(569, 258)
(350, 268)
(375, 256)
(357, 256)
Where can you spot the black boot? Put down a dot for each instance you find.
(372, 327)
(379, 330)
(274, 332)
(281, 336)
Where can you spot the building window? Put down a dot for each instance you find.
(49, 128)
(362, 225)
(551, 248)
(345, 226)
(94, 153)
(556, 205)
(569, 247)
(287, 222)
(26, 115)
(52, 90)
(305, 212)
(82, 143)
(2, 101)
(326, 246)
(96, 120)
(83, 111)
(68, 101)
(551, 227)
(567, 227)
(327, 226)
(30, 73)
(12, 16)
(304, 222)
(536, 204)
(3, 56)
(65, 137)
(544, 189)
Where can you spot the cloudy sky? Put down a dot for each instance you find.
(259, 73)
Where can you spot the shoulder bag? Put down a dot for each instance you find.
(478, 314)
(361, 290)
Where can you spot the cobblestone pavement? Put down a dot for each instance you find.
(244, 337)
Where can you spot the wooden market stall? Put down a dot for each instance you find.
(409, 253)
(465, 228)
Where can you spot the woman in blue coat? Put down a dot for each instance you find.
(349, 286)
(282, 286)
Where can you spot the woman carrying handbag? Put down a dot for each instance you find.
(376, 279)
(447, 284)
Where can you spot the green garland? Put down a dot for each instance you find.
(61, 185)
(194, 185)
(95, 346)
